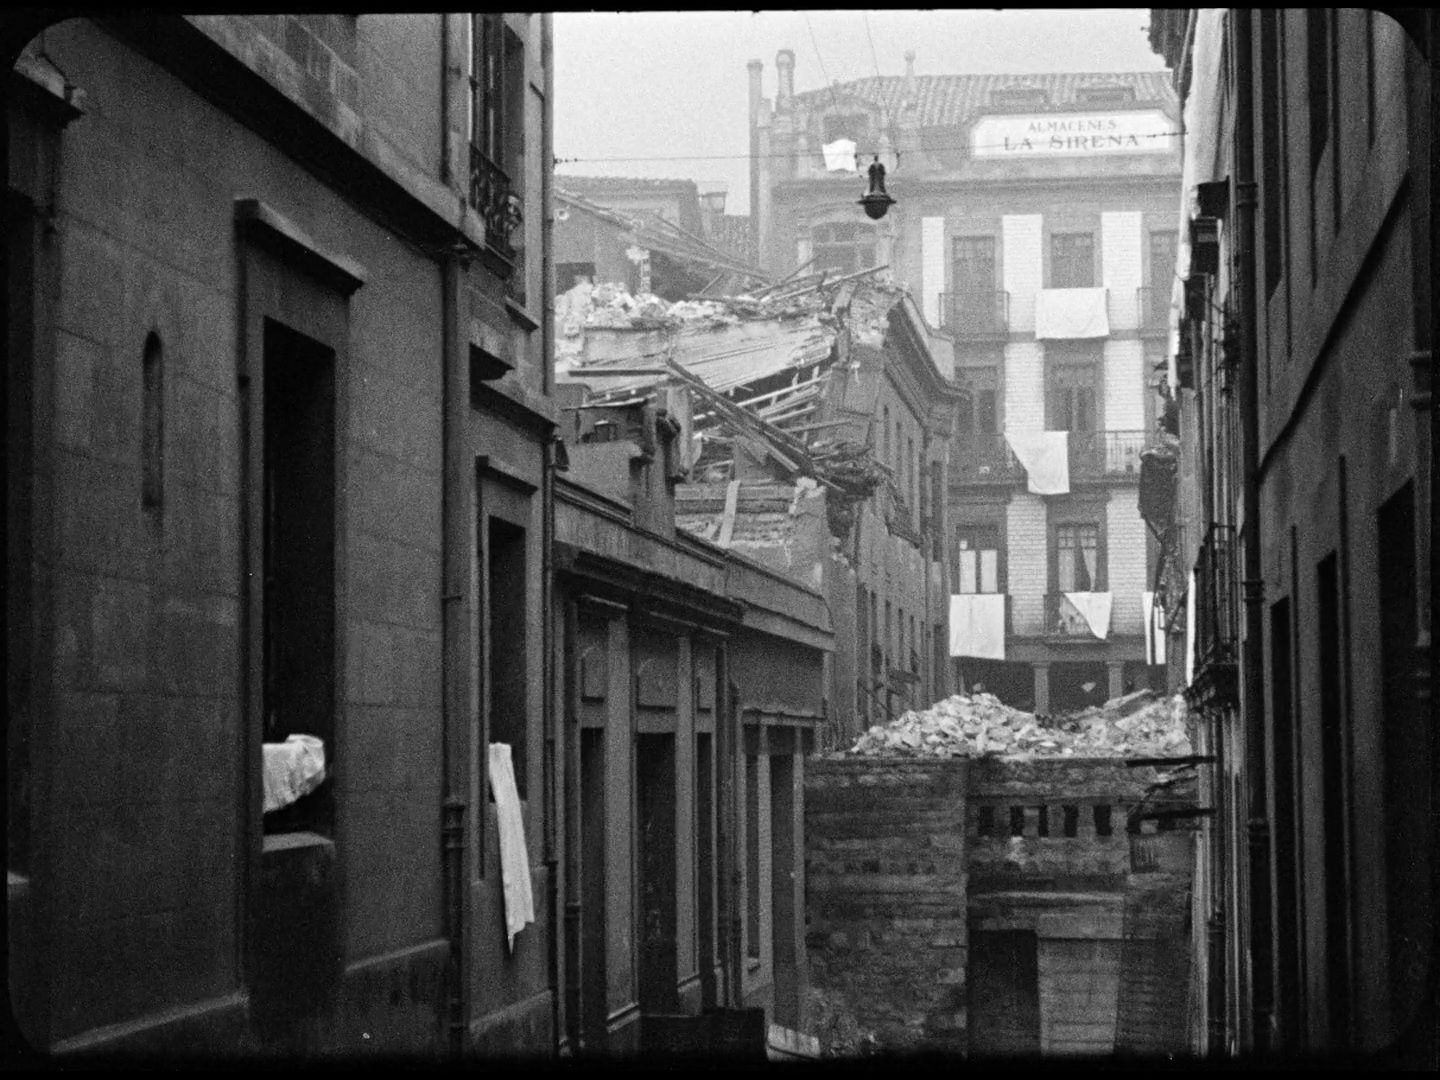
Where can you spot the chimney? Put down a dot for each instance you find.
(757, 68)
(785, 89)
(909, 89)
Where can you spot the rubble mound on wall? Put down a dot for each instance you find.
(1142, 724)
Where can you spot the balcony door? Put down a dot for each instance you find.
(974, 282)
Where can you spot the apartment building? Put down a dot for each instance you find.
(1298, 591)
(278, 439)
(1035, 225)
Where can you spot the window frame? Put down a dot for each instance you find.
(1056, 238)
(975, 532)
(1100, 579)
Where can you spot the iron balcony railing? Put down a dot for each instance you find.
(499, 208)
(978, 314)
(984, 459)
(1154, 307)
(1217, 597)
(1096, 454)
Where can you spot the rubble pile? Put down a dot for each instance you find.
(1142, 724)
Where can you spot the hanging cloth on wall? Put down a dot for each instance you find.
(977, 625)
(291, 769)
(1071, 313)
(1045, 456)
(514, 860)
(1093, 608)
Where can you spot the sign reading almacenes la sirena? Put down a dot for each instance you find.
(1147, 131)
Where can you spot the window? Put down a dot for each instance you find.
(1102, 821)
(1019, 96)
(985, 820)
(1105, 95)
(976, 302)
(1077, 559)
(1334, 755)
(842, 248)
(1072, 398)
(1072, 260)
(298, 558)
(1272, 137)
(568, 275)
(1071, 826)
(1017, 821)
(497, 88)
(979, 400)
(752, 856)
(1162, 263)
(977, 559)
(152, 424)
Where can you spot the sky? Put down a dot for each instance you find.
(655, 85)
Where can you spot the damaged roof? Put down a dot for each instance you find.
(951, 100)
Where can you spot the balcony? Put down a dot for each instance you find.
(975, 316)
(1217, 621)
(1062, 621)
(1153, 305)
(1097, 455)
(983, 459)
(500, 209)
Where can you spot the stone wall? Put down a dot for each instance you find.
(885, 862)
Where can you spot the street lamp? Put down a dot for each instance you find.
(875, 201)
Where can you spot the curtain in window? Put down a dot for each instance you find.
(1077, 555)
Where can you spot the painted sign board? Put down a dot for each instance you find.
(1140, 131)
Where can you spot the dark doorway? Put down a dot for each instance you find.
(1013, 683)
(298, 532)
(593, 1007)
(1004, 993)
(705, 865)
(1078, 684)
(655, 775)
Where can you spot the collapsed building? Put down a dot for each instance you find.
(813, 418)
(990, 882)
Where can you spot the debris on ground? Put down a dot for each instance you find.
(1142, 724)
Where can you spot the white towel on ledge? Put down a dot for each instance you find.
(1094, 608)
(1071, 313)
(514, 859)
(1045, 456)
(291, 769)
(977, 625)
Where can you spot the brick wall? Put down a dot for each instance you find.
(886, 906)
(1022, 267)
(1125, 539)
(1120, 266)
(1026, 555)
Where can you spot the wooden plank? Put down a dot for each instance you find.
(727, 520)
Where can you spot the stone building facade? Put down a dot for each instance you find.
(1035, 227)
(1299, 593)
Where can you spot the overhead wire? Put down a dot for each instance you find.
(746, 157)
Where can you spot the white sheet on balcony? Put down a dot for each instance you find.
(977, 625)
(1071, 313)
(1190, 630)
(514, 859)
(1046, 458)
(839, 155)
(291, 769)
(1154, 633)
(1091, 608)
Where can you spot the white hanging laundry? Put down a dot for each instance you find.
(514, 859)
(291, 769)
(1094, 609)
(977, 625)
(1071, 313)
(1154, 630)
(839, 155)
(1045, 456)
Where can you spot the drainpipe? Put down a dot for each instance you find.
(571, 749)
(1252, 700)
(455, 650)
(552, 719)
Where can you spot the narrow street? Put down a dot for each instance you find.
(689, 537)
